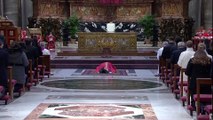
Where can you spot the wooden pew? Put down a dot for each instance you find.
(199, 82)
(11, 83)
(46, 62)
(162, 66)
(175, 79)
(181, 84)
(31, 74)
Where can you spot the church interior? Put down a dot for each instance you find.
(106, 60)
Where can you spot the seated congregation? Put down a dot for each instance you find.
(187, 71)
(22, 65)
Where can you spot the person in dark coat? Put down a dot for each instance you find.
(18, 60)
(31, 51)
(168, 49)
(198, 67)
(3, 67)
(176, 53)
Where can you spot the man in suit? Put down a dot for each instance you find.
(3, 67)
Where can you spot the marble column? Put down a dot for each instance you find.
(1, 8)
(11, 10)
(28, 11)
(194, 12)
(207, 13)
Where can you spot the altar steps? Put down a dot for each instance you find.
(71, 53)
(91, 64)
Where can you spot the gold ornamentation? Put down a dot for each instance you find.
(117, 42)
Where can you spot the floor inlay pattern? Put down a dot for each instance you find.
(99, 97)
(61, 111)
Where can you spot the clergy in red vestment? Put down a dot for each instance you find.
(106, 67)
(50, 41)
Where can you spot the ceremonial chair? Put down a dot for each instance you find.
(11, 83)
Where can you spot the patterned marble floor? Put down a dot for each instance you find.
(162, 101)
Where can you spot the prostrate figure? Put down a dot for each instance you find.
(106, 67)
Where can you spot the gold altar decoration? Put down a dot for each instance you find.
(35, 31)
(93, 11)
(97, 41)
(172, 9)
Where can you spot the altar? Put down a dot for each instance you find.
(97, 42)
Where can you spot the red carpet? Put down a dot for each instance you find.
(50, 111)
(121, 72)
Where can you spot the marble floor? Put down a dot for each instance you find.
(163, 102)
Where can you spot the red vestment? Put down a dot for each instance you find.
(107, 66)
(50, 41)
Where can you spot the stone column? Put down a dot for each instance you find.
(1, 8)
(207, 14)
(28, 11)
(194, 12)
(11, 10)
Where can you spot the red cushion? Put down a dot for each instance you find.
(189, 107)
(29, 85)
(40, 66)
(208, 109)
(177, 78)
(14, 82)
(185, 89)
(185, 83)
(47, 72)
(168, 81)
(203, 117)
(6, 97)
(203, 97)
(34, 80)
(1, 88)
(177, 91)
(183, 98)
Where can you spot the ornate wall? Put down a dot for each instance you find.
(128, 11)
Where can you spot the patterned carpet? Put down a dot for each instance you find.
(50, 111)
